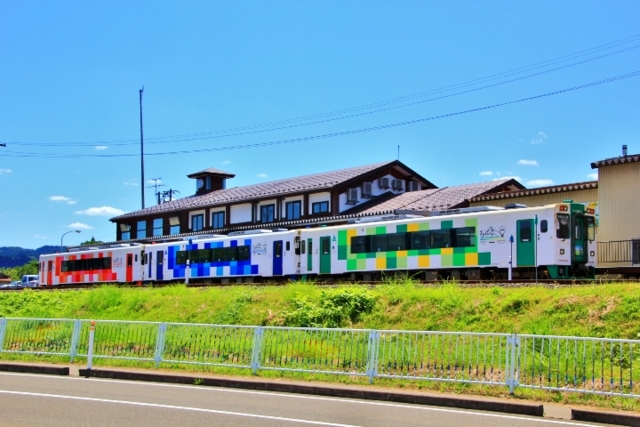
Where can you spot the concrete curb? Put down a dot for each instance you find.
(605, 417)
(388, 396)
(35, 369)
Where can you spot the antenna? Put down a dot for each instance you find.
(167, 196)
(156, 185)
(398, 151)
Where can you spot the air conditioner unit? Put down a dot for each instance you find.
(352, 196)
(366, 189)
(383, 182)
(414, 186)
(397, 184)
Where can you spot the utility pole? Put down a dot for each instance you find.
(141, 150)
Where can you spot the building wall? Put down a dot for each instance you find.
(240, 213)
(619, 202)
(578, 196)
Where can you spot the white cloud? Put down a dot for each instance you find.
(135, 184)
(38, 236)
(226, 162)
(262, 175)
(101, 147)
(517, 178)
(79, 225)
(3, 171)
(486, 173)
(63, 199)
(539, 138)
(154, 181)
(593, 176)
(528, 162)
(101, 211)
(539, 182)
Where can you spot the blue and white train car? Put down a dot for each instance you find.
(237, 257)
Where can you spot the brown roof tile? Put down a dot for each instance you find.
(616, 161)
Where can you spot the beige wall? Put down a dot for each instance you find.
(619, 202)
(578, 196)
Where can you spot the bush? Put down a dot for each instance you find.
(334, 309)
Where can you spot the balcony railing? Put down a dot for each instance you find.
(620, 251)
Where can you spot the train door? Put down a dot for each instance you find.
(277, 258)
(325, 255)
(159, 265)
(150, 264)
(309, 254)
(49, 272)
(525, 246)
(579, 241)
(129, 269)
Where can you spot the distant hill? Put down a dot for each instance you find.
(13, 256)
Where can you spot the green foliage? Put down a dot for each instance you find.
(16, 273)
(334, 308)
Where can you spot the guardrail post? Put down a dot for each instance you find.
(92, 331)
(162, 328)
(372, 355)
(513, 344)
(256, 352)
(75, 335)
(3, 330)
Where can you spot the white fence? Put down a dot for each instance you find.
(572, 364)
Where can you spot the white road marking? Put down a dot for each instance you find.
(183, 408)
(310, 397)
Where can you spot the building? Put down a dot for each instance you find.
(306, 201)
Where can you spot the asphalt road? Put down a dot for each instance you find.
(28, 400)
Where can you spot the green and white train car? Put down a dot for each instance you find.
(553, 241)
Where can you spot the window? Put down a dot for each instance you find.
(397, 241)
(174, 225)
(415, 240)
(464, 237)
(525, 231)
(267, 213)
(197, 222)
(157, 227)
(379, 243)
(563, 231)
(293, 210)
(217, 220)
(320, 207)
(591, 228)
(544, 226)
(141, 230)
(126, 235)
(440, 239)
(420, 240)
(214, 255)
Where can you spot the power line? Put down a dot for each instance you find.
(285, 124)
(354, 131)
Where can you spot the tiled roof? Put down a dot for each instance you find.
(588, 185)
(436, 199)
(319, 181)
(616, 161)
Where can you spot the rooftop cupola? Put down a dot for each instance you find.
(209, 180)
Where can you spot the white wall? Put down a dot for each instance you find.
(240, 213)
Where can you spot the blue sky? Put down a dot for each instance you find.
(274, 89)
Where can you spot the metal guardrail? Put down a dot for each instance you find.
(568, 364)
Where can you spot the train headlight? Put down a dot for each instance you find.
(592, 253)
(561, 251)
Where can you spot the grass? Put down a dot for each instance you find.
(609, 310)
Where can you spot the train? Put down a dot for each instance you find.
(556, 241)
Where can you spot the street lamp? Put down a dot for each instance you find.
(62, 237)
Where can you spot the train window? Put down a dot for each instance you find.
(230, 253)
(440, 239)
(296, 245)
(562, 227)
(591, 228)
(379, 243)
(577, 231)
(204, 255)
(218, 254)
(288, 247)
(420, 240)
(525, 231)
(303, 246)
(326, 245)
(464, 237)
(397, 241)
(360, 244)
(65, 266)
(278, 249)
(181, 257)
(544, 226)
(244, 253)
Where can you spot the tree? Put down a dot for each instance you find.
(91, 242)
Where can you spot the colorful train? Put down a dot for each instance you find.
(483, 243)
